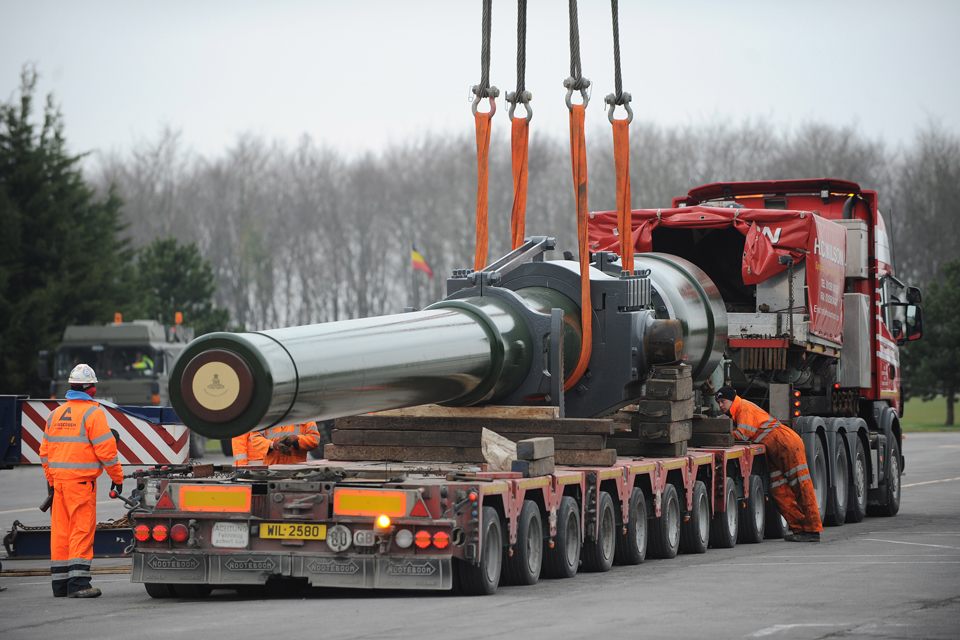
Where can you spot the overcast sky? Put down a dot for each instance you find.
(359, 75)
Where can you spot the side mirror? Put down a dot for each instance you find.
(43, 365)
(913, 295)
(914, 322)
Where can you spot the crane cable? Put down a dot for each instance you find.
(483, 122)
(520, 133)
(621, 149)
(578, 161)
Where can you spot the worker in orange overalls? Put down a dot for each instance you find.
(243, 455)
(77, 445)
(285, 445)
(790, 485)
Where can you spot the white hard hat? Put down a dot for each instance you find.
(83, 374)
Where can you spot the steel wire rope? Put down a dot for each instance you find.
(520, 133)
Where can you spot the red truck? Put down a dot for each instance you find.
(783, 289)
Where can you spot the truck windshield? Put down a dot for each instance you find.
(111, 362)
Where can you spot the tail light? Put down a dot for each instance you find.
(441, 539)
(141, 532)
(404, 538)
(179, 533)
(422, 539)
(796, 404)
(160, 533)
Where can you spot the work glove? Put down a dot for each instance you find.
(291, 441)
(117, 487)
(45, 506)
(280, 444)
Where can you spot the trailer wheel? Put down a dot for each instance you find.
(226, 447)
(839, 494)
(632, 545)
(723, 527)
(598, 554)
(858, 485)
(817, 463)
(159, 590)
(482, 579)
(752, 523)
(192, 591)
(563, 560)
(695, 530)
(892, 505)
(524, 566)
(665, 533)
(198, 445)
(775, 525)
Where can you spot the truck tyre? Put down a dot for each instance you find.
(482, 579)
(198, 445)
(563, 560)
(524, 566)
(723, 527)
(839, 493)
(695, 529)
(598, 554)
(192, 591)
(226, 447)
(892, 505)
(858, 485)
(159, 590)
(754, 512)
(665, 532)
(817, 463)
(775, 525)
(632, 545)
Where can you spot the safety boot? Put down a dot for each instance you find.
(91, 592)
(804, 536)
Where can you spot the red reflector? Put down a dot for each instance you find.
(165, 502)
(179, 533)
(142, 532)
(420, 510)
(160, 533)
(441, 539)
(422, 539)
(473, 495)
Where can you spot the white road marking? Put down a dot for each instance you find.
(917, 484)
(777, 628)
(919, 544)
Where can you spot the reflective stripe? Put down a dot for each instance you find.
(796, 469)
(59, 576)
(766, 424)
(43, 458)
(80, 439)
(240, 456)
(764, 435)
(776, 484)
(110, 463)
(84, 561)
(83, 420)
(58, 563)
(102, 438)
(775, 473)
(80, 573)
(746, 427)
(76, 465)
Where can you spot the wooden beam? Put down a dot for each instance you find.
(417, 438)
(541, 426)
(602, 458)
(436, 411)
(404, 454)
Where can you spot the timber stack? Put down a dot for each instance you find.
(661, 423)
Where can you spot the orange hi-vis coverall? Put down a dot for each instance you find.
(77, 445)
(308, 438)
(242, 454)
(790, 485)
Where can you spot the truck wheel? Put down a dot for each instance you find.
(598, 554)
(198, 445)
(563, 560)
(695, 529)
(192, 591)
(159, 590)
(723, 527)
(665, 533)
(858, 485)
(839, 493)
(482, 579)
(892, 505)
(775, 525)
(524, 566)
(632, 545)
(226, 447)
(754, 510)
(817, 463)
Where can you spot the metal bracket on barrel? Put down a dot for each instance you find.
(531, 249)
(556, 359)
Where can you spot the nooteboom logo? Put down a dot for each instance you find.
(333, 567)
(250, 564)
(172, 562)
(410, 569)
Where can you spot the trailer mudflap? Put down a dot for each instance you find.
(169, 567)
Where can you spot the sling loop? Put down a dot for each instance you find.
(520, 133)
(483, 122)
(621, 150)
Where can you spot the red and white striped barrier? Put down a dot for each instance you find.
(141, 441)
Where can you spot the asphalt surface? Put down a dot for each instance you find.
(882, 578)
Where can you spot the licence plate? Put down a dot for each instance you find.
(293, 531)
(232, 535)
(364, 538)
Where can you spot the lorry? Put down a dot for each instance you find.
(783, 289)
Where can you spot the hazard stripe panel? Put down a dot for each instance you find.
(141, 441)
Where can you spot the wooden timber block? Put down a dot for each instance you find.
(669, 388)
(532, 468)
(672, 371)
(436, 411)
(672, 450)
(414, 438)
(665, 432)
(665, 410)
(503, 426)
(602, 458)
(711, 440)
(703, 424)
(627, 419)
(535, 449)
(625, 446)
(404, 454)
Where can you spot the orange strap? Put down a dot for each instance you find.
(520, 142)
(483, 121)
(621, 160)
(578, 160)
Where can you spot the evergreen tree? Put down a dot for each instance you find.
(61, 257)
(173, 278)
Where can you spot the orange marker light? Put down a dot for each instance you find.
(383, 522)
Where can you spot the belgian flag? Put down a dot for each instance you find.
(419, 264)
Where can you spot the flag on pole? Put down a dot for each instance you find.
(419, 264)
